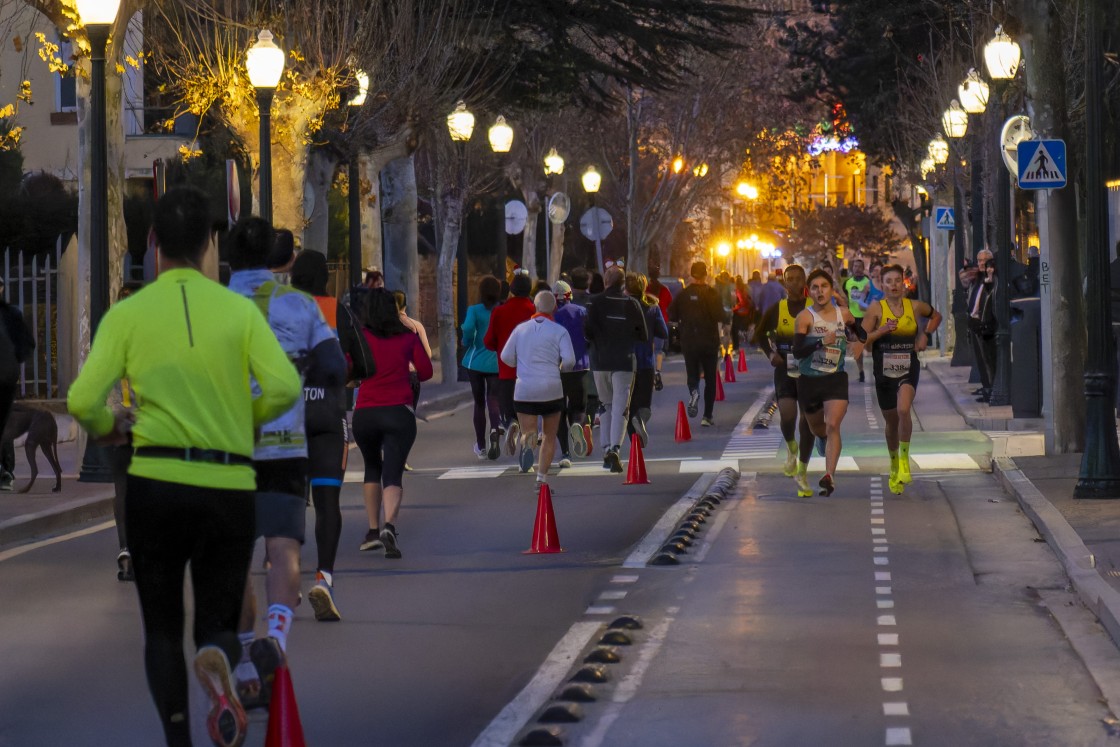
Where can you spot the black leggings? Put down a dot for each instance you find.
(328, 524)
(385, 436)
(505, 401)
(694, 360)
(7, 450)
(575, 405)
(169, 525)
(641, 398)
(485, 391)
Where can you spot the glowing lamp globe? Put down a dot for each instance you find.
(501, 136)
(553, 163)
(265, 62)
(460, 123)
(955, 120)
(1001, 56)
(591, 180)
(100, 12)
(973, 93)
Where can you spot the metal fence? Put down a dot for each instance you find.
(31, 285)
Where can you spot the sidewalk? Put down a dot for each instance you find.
(40, 513)
(1084, 534)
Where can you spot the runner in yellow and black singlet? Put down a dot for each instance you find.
(893, 332)
(775, 337)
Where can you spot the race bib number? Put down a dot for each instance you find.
(826, 359)
(896, 365)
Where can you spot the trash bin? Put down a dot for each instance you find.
(1026, 357)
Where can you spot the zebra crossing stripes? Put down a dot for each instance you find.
(763, 444)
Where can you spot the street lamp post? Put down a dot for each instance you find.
(591, 181)
(553, 165)
(265, 63)
(1100, 463)
(1001, 56)
(354, 178)
(460, 125)
(98, 17)
(955, 123)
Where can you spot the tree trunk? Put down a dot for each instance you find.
(557, 255)
(320, 176)
(114, 136)
(452, 220)
(529, 238)
(399, 213)
(1046, 83)
(371, 212)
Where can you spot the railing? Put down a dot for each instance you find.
(31, 285)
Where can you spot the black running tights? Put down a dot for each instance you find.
(328, 524)
(484, 389)
(168, 526)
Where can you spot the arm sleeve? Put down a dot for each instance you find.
(103, 369)
(509, 352)
(421, 361)
(857, 329)
(278, 379)
(769, 324)
(490, 339)
(468, 327)
(802, 348)
(567, 352)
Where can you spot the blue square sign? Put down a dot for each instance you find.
(944, 218)
(1042, 164)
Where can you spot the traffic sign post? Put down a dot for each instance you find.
(596, 224)
(945, 219)
(1042, 164)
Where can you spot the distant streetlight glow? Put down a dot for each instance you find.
(749, 191)
(955, 120)
(701, 170)
(501, 136)
(1001, 56)
(460, 123)
(591, 180)
(938, 149)
(553, 163)
(973, 93)
(678, 165)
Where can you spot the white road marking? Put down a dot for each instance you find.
(888, 639)
(607, 596)
(599, 610)
(624, 579)
(896, 709)
(890, 660)
(504, 727)
(886, 620)
(878, 530)
(884, 604)
(880, 548)
(628, 687)
(892, 684)
(879, 520)
(882, 576)
(879, 540)
(876, 511)
(945, 461)
(885, 590)
(15, 552)
(845, 464)
(468, 473)
(899, 735)
(881, 561)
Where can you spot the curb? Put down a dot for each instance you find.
(1078, 562)
(20, 529)
(972, 418)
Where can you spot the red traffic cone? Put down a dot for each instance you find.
(545, 538)
(636, 468)
(742, 361)
(284, 727)
(719, 388)
(728, 369)
(683, 432)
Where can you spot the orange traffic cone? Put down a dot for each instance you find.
(728, 369)
(284, 727)
(742, 361)
(636, 468)
(683, 432)
(719, 388)
(545, 538)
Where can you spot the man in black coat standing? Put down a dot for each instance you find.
(16, 346)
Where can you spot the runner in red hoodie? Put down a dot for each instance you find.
(503, 319)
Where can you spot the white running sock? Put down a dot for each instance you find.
(279, 623)
(328, 578)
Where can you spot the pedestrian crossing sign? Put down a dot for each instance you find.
(944, 219)
(1042, 164)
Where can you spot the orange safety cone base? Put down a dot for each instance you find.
(545, 537)
(683, 431)
(719, 389)
(636, 468)
(742, 361)
(284, 726)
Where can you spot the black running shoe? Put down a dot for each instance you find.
(124, 566)
(267, 657)
(693, 403)
(494, 449)
(827, 485)
(389, 539)
(657, 385)
(372, 541)
(614, 460)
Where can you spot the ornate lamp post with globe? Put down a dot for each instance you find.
(265, 63)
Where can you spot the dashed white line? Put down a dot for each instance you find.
(882, 575)
(890, 660)
(899, 736)
(613, 595)
(892, 684)
(624, 579)
(600, 610)
(886, 620)
(888, 639)
(882, 561)
(896, 709)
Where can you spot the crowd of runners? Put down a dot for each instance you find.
(235, 412)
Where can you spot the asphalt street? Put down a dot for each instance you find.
(858, 619)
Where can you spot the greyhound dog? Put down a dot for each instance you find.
(42, 433)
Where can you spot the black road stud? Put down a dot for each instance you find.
(561, 713)
(683, 537)
(627, 622)
(547, 736)
(677, 548)
(578, 693)
(665, 558)
(615, 638)
(602, 655)
(592, 673)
